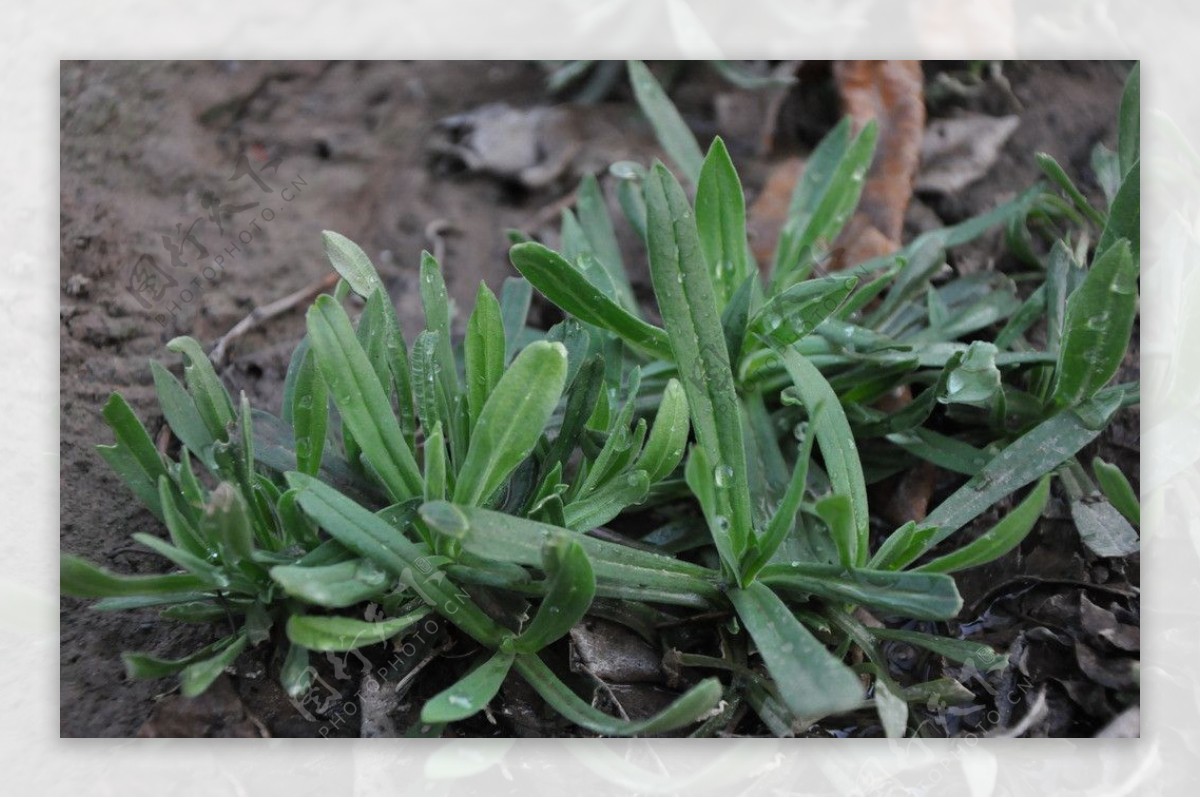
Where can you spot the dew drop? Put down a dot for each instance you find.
(460, 701)
(305, 401)
(722, 523)
(1098, 321)
(721, 475)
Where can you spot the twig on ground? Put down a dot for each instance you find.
(266, 312)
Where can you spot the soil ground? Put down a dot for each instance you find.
(145, 149)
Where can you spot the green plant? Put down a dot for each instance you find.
(466, 482)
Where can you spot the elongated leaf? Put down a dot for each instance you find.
(835, 438)
(1125, 216)
(1000, 539)
(566, 287)
(1058, 175)
(721, 221)
(484, 350)
(184, 559)
(496, 536)
(79, 578)
(668, 437)
(179, 409)
(436, 302)
(1129, 121)
(198, 676)
(903, 546)
(180, 526)
(686, 709)
(907, 594)
(337, 633)
(1034, 454)
(212, 400)
(811, 681)
(515, 296)
(821, 206)
(569, 592)
(349, 260)
(342, 584)
(672, 132)
(310, 414)
(134, 456)
(688, 305)
(597, 228)
(469, 694)
(789, 316)
(512, 420)
(148, 666)
(435, 465)
(607, 502)
(1099, 322)
(1117, 490)
(364, 533)
(839, 518)
(978, 655)
(360, 398)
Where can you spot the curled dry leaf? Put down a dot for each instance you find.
(892, 94)
(957, 152)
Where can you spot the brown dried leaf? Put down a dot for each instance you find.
(892, 94)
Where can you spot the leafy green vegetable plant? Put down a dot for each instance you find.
(730, 438)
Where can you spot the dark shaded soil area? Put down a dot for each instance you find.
(151, 152)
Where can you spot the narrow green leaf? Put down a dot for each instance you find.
(181, 414)
(686, 709)
(364, 533)
(1000, 539)
(907, 594)
(834, 436)
(1034, 454)
(688, 305)
(571, 585)
(184, 559)
(1129, 121)
(902, 546)
(198, 676)
(839, 518)
(811, 681)
(496, 536)
(515, 296)
(309, 414)
(360, 398)
(338, 633)
(978, 655)
(721, 221)
(598, 229)
(435, 465)
(81, 579)
(820, 207)
(892, 709)
(342, 584)
(567, 288)
(134, 457)
(436, 302)
(349, 260)
(789, 316)
(672, 132)
(607, 502)
(512, 420)
(212, 400)
(668, 437)
(1117, 490)
(469, 694)
(484, 350)
(1058, 175)
(1099, 322)
(296, 676)
(1125, 216)
(148, 666)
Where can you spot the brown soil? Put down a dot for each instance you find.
(143, 144)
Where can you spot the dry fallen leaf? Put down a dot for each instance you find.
(892, 94)
(957, 152)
